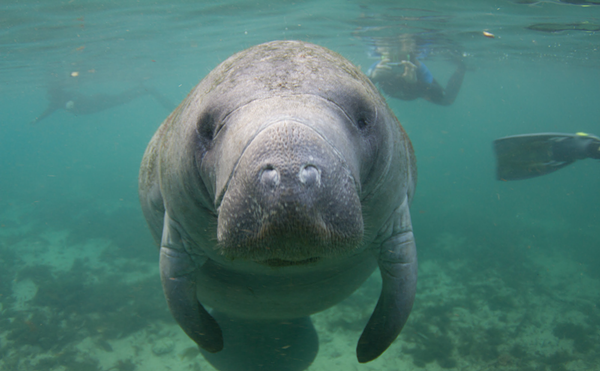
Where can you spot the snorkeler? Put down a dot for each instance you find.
(530, 155)
(400, 74)
(81, 104)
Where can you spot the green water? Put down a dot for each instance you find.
(509, 274)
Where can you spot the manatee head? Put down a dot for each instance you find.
(288, 142)
(291, 196)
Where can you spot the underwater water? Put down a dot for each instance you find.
(509, 275)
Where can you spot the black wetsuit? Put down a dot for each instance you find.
(425, 87)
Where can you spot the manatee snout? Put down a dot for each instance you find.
(291, 199)
(309, 175)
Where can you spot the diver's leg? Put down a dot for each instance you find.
(453, 85)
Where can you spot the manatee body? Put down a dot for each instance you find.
(275, 189)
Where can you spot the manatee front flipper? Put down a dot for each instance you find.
(177, 273)
(398, 266)
(274, 345)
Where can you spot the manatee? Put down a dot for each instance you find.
(274, 190)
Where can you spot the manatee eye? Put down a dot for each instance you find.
(362, 123)
(365, 116)
(206, 128)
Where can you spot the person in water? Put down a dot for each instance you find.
(530, 155)
(82, 104)
(401, 75)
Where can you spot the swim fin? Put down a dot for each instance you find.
(530, 155)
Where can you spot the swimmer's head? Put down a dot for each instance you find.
(408, 45)
(407, 41)
(70, 105)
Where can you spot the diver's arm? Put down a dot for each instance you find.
(379, 72)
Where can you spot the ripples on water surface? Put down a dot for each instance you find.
(46, 37)
(509, 270)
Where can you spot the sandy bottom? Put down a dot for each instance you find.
(83, 304)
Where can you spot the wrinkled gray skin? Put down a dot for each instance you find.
(275, 189)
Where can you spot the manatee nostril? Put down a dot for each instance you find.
(269, 176)
(310, 175)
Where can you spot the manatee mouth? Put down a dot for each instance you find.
(289, 240)
(288, 263)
